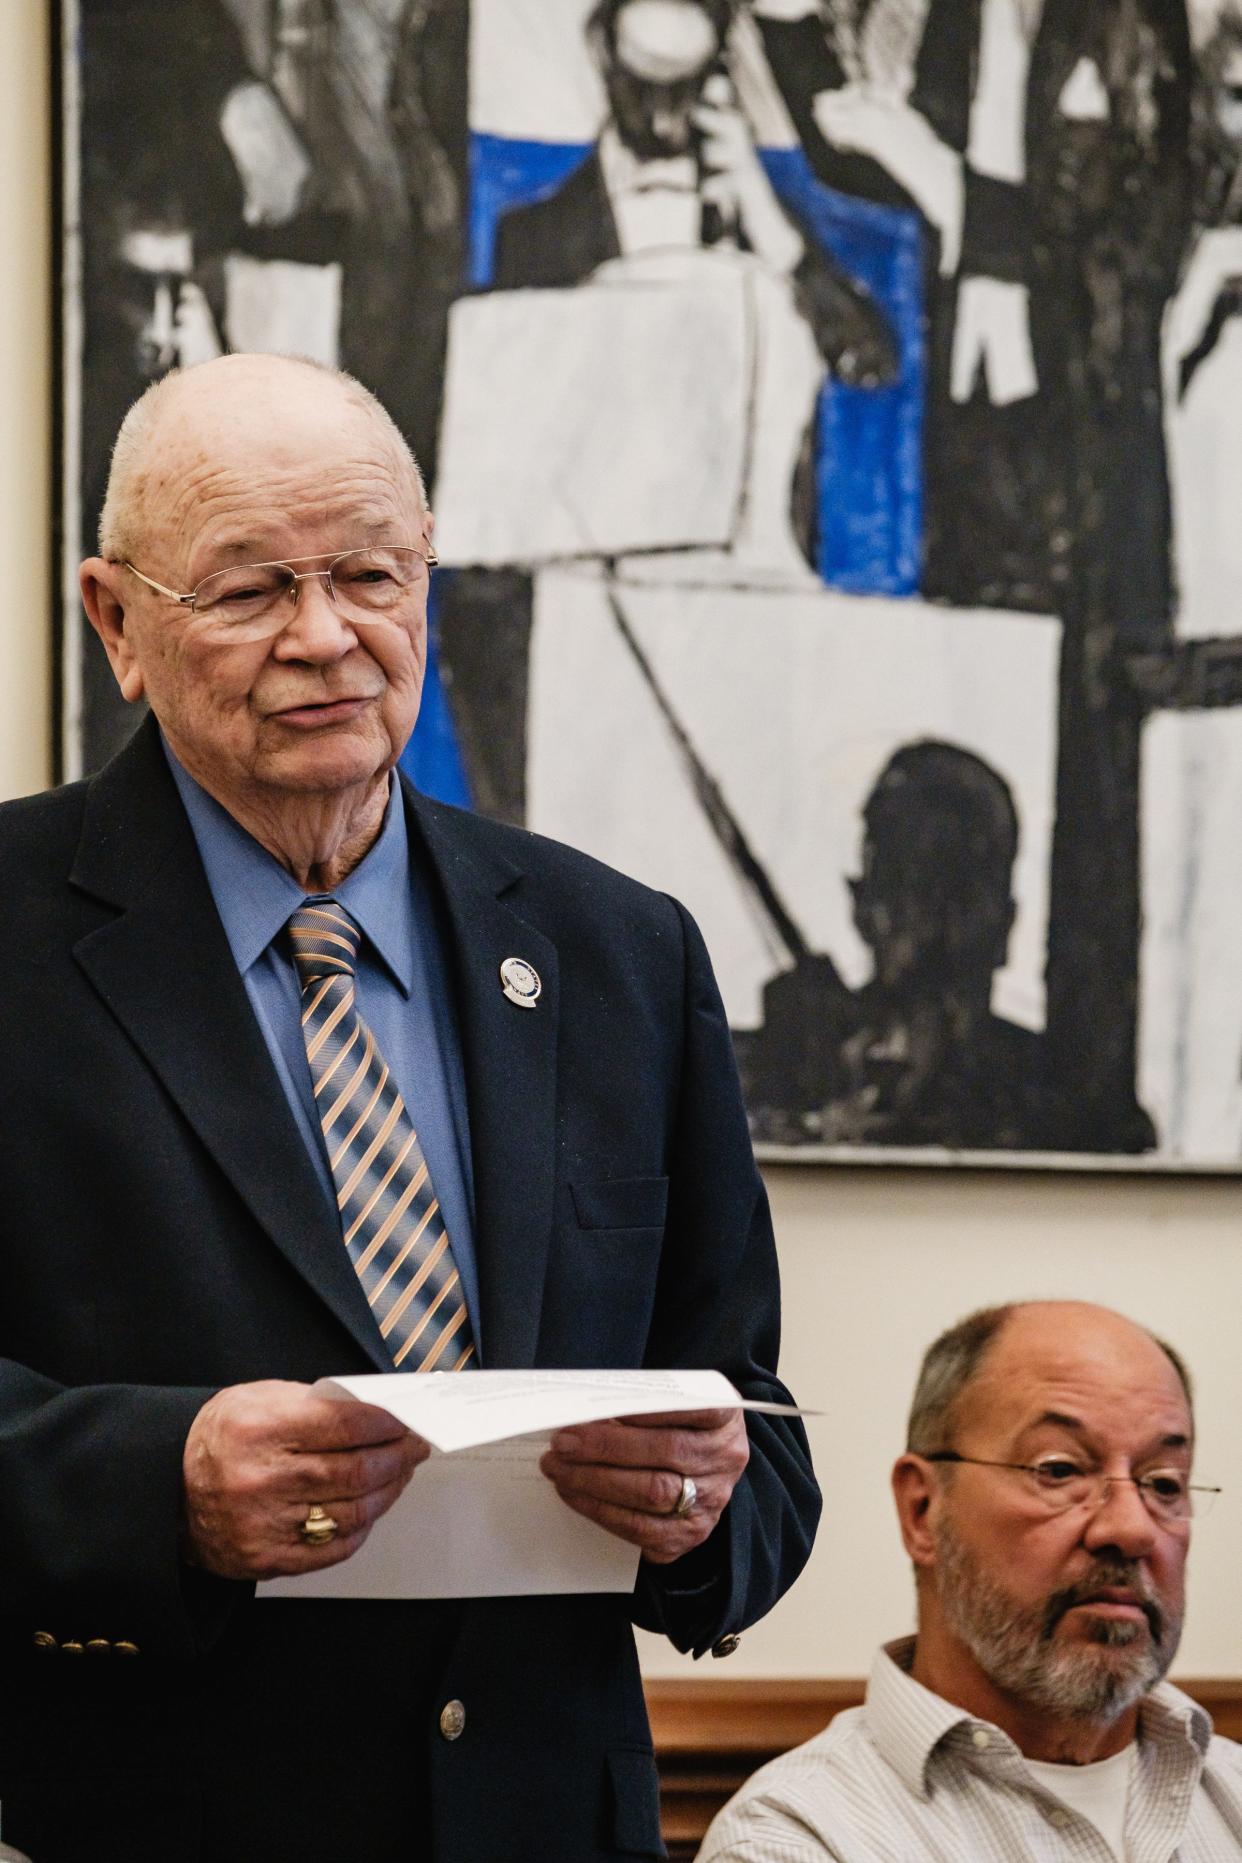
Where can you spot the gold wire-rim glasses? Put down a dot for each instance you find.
(289, 584)
(1089, 1487)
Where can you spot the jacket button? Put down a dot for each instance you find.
(44, 1640)
(72, 1648)
(125, 1648)
(99, 1646)
(452, 1720)
(725, 1646)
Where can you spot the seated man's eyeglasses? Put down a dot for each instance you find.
(1061, 1484)
(246, 602)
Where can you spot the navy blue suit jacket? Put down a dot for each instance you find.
(165, 1236)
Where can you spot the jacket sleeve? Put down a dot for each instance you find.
(718, 1306)
(90, 1487)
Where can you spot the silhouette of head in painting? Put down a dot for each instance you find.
(915, 1057)
(934, 901)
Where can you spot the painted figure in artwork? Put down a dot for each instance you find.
(916, 1056)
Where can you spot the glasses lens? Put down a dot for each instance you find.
(376, 580)
(240, 601)
(1167, 1494)
(1061, 1484)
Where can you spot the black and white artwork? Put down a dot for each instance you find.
(831, 414)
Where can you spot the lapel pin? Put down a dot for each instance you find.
(520, 982)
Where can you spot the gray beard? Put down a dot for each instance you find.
(1016, 1648)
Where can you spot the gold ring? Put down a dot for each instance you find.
(318, 1527)
(684, 1504)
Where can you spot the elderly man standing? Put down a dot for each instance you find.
(1045, 1499)
(304, 1074)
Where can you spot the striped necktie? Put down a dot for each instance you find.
(390, 1215)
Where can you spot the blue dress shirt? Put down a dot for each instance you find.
(403, 991)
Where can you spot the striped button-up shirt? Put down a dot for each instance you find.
(909, 1777)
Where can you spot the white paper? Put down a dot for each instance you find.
(455, 1412)
(479, 1519)
(481, 1523)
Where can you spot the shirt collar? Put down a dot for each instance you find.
(1169, 1718)
(908, 1722)
(255, 896)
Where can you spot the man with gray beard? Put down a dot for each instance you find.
(1045, 1500)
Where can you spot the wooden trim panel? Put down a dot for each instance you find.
(710, 1736)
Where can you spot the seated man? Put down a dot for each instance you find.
(1045, 1500)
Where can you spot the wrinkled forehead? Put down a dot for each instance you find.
(1108, 1379)
(239, 466)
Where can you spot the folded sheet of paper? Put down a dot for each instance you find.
(479, 1519)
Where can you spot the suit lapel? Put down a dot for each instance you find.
(164, 969)
(509, 1055)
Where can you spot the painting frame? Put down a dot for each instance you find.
(1121, 665)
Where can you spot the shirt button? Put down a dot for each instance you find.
(981, 1738)
(1059, 1819)
(452, 1720)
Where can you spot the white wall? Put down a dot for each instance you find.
(874, 1262)
(25, 355)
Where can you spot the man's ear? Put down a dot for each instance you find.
(105, 597)
(917, 1494)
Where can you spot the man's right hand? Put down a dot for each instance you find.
(259, 1456)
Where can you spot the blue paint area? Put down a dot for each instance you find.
(507, 173)
(869, 442)
(432, 759)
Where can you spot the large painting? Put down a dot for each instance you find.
(831, 409)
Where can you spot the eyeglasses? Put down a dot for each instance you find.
(1062, 1484)
(245, 603)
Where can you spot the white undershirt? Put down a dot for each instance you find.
(1097, 1792)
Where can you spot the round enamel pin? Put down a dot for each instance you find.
(520, 982)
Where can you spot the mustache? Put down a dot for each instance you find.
(1111, 1575)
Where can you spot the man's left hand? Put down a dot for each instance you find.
(626, 1475)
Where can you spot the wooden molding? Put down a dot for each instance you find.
(711, 1735)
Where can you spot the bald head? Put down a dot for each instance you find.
(288, 705)
(242, 409)
(985, 1344)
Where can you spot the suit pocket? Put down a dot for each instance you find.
(621, 1203)
(603, 1266)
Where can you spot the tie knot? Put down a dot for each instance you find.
(325, 941)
